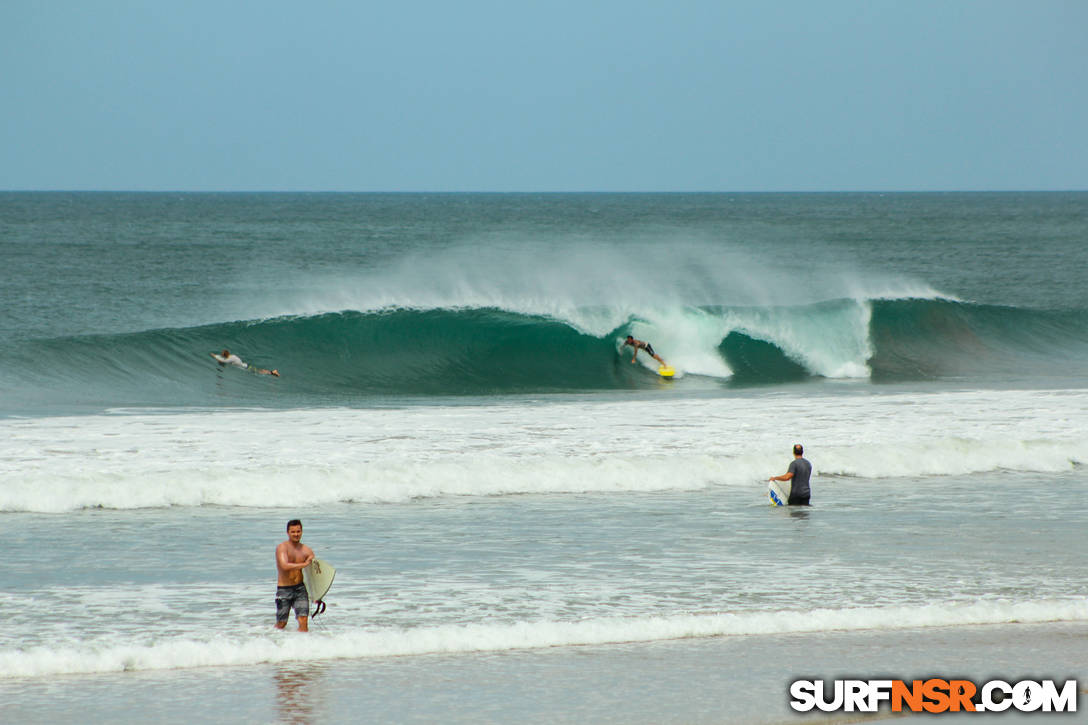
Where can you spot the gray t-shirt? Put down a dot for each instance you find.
(801, 470)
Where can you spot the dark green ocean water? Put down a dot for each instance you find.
(526, 526)
(116, 299)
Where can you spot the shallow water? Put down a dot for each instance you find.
(528, 528)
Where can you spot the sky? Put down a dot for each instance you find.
(521, 95)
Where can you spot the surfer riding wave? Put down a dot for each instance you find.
(642, 345)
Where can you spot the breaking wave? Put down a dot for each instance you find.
(340, 356)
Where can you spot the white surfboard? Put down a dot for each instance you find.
(779, 492)
(318, 578)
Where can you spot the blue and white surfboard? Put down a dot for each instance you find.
(779, 492)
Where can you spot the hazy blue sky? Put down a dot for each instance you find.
(544, 96)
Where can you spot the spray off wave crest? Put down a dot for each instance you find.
(536, 315)
(333, 357)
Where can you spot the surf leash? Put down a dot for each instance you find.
(319, 607)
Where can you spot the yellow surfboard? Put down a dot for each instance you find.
(666, 371)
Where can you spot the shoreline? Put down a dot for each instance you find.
(729, 679)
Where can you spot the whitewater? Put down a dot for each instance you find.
(260, 459)
(527, 527)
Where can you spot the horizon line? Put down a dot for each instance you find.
(544, 191)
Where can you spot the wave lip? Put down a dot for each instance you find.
(338, 356)
(934, 339)
(185, 653)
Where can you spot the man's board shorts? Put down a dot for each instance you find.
(798, 501)
(650, 349)
(288, 597)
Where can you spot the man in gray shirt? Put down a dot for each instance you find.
(798, 474)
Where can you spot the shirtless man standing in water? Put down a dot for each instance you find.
(292, 556)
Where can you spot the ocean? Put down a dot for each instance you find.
(527, 526)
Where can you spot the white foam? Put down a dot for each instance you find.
(596, 284)
(261, 458)
(687, 338)
(260, 648)
(656, 283)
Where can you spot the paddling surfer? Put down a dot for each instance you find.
(228, 358)
(642, 345)
(292, 556)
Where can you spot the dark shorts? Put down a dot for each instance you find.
(288, 597)
(650, 349)
(798, 501)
